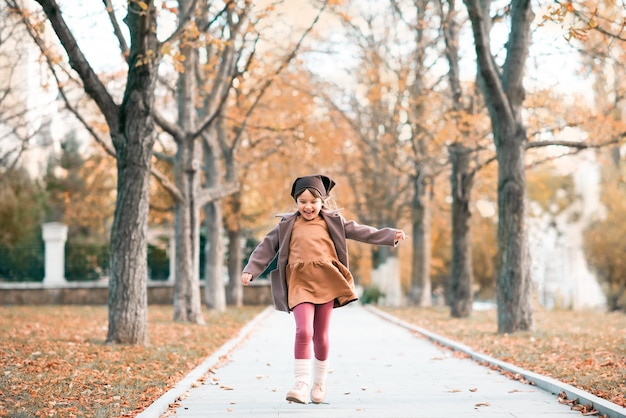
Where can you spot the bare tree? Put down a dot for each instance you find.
(503, 91)
(188, 193)
(132, 132)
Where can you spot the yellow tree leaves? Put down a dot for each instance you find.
(580, 20)
(81, 193)
(551, 191)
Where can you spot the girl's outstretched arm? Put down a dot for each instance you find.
(262, 256)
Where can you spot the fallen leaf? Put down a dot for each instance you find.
(483, 404)
(608, 362)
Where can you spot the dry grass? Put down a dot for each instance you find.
(55, 362)
(586, 349)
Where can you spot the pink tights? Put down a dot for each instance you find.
(312, 324)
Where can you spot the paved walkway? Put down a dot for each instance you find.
(378, 369)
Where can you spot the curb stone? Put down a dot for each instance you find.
(549, 384)
(162, 404)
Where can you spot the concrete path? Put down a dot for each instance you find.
(378, 369)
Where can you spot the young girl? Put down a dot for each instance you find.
(312, 276)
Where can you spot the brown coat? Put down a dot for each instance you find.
(277, 242)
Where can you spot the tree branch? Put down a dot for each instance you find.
(92, 84)
(171, 128)
(167, 184)
(495, 96)
(577, 145)
(184, 17)
(270, 80)
(117, 30)
(40, 43)
(218, 192)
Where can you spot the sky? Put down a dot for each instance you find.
(552, 62)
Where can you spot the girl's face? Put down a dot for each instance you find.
(309, 206)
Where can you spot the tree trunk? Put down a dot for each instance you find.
(462, 277)
(420, 292)
(514, 285)
(215, 293)
(128, 301)
(234, 290)
(187, 302)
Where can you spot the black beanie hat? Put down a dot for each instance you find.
(322, 184)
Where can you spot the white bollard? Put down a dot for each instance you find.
(54, 236)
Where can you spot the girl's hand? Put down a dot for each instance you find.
(400, 235)
(246, 278)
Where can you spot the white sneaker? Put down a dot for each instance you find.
(298, 393)
(318, 393)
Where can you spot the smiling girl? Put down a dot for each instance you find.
(312, 275)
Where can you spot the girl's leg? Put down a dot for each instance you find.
(303, 314)
(321, 347)
(321, 329)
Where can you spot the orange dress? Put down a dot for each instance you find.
(314, 273)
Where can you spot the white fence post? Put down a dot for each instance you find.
(54, 236)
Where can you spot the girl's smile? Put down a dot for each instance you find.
(309, 206)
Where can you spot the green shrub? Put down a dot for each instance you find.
(371, 295)
(22, 263)
(86, 262)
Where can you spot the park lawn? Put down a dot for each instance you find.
(55, 362)
(586, 349)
